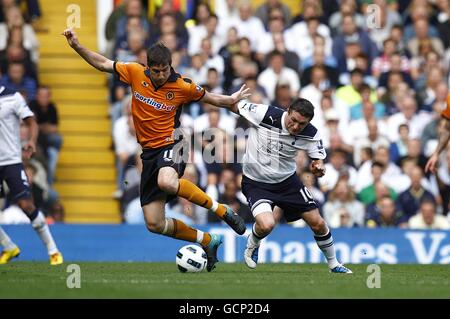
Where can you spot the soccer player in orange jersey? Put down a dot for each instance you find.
(158, 95)
(444, 138)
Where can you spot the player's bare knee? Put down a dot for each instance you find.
(266, 225)
(319, 226)
(168, 182)
(155, 226)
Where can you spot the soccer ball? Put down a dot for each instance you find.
(191, 258)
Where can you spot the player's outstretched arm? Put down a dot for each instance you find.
(227, 101)
(98, 61)
(444, 138)
(30, 148)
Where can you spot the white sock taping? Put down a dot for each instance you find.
(214, 206)
(166, 226)
(200, 235)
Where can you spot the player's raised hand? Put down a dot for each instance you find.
(243, 93)
(71, 37)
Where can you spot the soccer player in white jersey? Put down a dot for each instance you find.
(13, 109)
(270, 178)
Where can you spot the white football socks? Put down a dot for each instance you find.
(325, 243)
(40, 226)
(5, 241)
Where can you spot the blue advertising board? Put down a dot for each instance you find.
(286, 244)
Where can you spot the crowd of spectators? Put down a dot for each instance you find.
(19, 58)
(377, 73)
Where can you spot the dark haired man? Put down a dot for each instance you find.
(158, 96)
(270, 178)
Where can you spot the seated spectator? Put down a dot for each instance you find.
(16, 80)
(343, 198)
(427, 218)
(408, 115)
(391, 175)
(382, 63)
(385, 214)
(399, 148)
(346, 7)
(374, 139)
(414, 153)
(275, 72)
(356, 110)
(16, 31)
(409, 201)
(265, 11)
(319, 61)
(336, 169)
(283, 96)
(394, 75)
(50, 140)
(369, 194)
(16, 53)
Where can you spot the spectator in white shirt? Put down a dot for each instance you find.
(275, 72)
(407, 115)
(427, 218)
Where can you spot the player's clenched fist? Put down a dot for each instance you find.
(317, 168)
(71, 37)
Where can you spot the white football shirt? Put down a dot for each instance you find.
(13, 109)
(270, 153)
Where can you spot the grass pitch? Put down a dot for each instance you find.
(163, 280)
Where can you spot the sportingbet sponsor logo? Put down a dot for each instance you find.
(406, 247)
(156, 105)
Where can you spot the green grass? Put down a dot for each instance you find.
(162, 280)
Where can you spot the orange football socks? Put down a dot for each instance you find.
(184, 232)
(192, 193)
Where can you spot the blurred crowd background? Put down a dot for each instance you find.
(377, 73)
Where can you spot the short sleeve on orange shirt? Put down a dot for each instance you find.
(195, 90)
(125, 70)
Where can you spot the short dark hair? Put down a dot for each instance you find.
(302, 106)
(159, 54)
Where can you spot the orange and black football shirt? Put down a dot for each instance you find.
(446, 112)
(156, 110)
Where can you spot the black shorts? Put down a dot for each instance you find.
(17, 181)
(152, 161)
(290, 195)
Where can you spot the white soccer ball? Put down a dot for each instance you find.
(191, 258)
